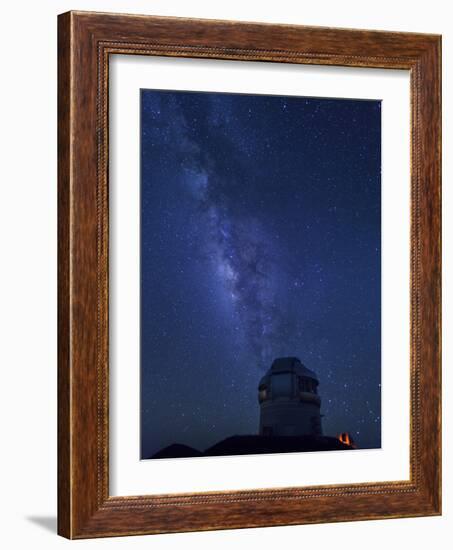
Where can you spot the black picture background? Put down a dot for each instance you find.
(260, 237)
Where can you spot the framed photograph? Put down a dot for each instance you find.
(249, 275)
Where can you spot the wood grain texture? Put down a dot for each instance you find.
(64, 370)
(86, 40)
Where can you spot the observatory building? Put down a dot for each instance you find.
(290, 419)
(289, 400)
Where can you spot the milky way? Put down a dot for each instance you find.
(236, 244)
(260, 237)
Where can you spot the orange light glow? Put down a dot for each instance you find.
(346, 439)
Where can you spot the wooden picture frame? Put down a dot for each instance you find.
(85, 42)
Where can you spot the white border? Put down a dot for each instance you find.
(129, 475)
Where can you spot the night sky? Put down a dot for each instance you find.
(260, 238)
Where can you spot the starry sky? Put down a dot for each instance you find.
(260, 238)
